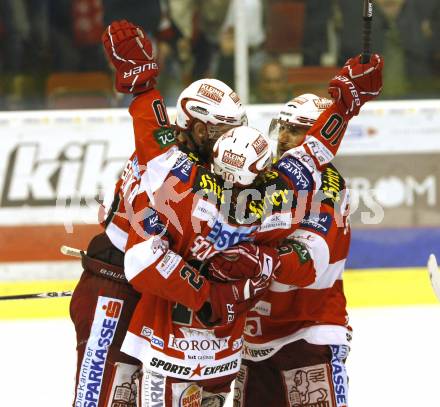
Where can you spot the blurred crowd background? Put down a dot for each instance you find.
(51, 56)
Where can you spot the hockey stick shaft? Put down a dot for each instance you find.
(53, 294)
(70, 251)
(367, 16)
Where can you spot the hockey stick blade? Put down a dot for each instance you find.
(70, 251)
(434, 275)
(53, 294)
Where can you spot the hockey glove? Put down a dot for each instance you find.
(245, 260)
(356, 84)
(130, 51)
(229, 300)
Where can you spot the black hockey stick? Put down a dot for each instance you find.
(66, 250)
(367, 17)
(53, 294)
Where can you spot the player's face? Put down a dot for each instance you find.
(289, 137)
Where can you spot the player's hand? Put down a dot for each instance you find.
(229, 300)
(356, 84)
(130, 51)
(242, 261)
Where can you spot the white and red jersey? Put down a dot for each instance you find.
(175, 221)
(187, 223)
(316, 312)
(153, 139)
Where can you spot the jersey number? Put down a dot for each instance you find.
(333, 129)
(193, 280)
(160, 112)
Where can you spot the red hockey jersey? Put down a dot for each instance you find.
(316, 312)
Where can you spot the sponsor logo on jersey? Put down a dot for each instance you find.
(105, 321)
(141, 68)
(210, 92)
(234, 160)
(153, 389)
(250, 353)
(147, 332)
(332, 184)
(240, 386)
(182, 168)
(237, 344)
(298, 248)
(277, 221)
(168, 264)
(208, 184)
(259, 145)
(308, 386)
(339, 374)
(170, 367)
(205, 210)
(320, 223)
(223, 235)
(191, 396)
(297, 173)
(164, 136)
(263, 308)
(320, 151)
(198, 371)
(196, 344)
(152, 223)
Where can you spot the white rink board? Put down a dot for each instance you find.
(49, 160)
(394, 359)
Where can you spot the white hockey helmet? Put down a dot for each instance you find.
(212, 102)
(241, 154)
(302, 112)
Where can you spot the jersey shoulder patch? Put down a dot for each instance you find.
(300, 176)
(182, 168)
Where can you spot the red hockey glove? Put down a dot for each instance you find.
(356, 84)
(130, 51)
(231, 299)
(245, 260)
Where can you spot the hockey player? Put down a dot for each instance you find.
(103, 301)
(297, 337)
